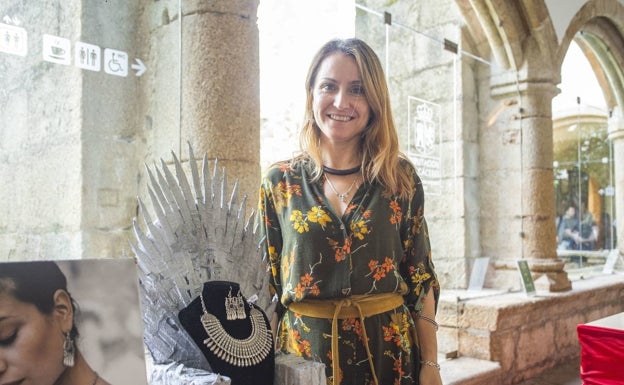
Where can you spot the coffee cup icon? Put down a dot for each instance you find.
(57, 51)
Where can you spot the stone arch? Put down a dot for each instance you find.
(598, 29)
(510, 31)
(502, 29)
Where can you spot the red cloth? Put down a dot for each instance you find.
(602, 355)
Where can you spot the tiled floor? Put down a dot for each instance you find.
(562, 375)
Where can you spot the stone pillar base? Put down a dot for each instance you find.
(549, 275)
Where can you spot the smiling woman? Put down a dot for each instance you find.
(37, 328)
(343, 226)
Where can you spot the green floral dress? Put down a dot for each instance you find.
(380, 245)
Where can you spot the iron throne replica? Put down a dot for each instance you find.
(198, 236)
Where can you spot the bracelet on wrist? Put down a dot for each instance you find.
(430, 363)
(430, 320)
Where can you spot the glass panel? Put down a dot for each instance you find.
(583, 168)
(71, 129)
(74, 120)
(424, 78)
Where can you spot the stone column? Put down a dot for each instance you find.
(221, 86)
(538, 199)
(531, 128)
(616, 135)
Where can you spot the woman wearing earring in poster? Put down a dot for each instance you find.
(37, 328)
(342, 224)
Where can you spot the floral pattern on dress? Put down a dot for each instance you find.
(380, 244)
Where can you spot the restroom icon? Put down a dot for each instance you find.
(87, 56)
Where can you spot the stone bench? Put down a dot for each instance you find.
(502, 327)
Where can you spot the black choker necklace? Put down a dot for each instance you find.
(347, 171)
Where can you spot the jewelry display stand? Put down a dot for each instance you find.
(238, 345)
(199, 214)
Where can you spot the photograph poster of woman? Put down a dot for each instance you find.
(71, 322)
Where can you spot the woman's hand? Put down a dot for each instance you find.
(426, 330)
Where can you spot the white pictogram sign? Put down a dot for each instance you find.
(139, 67)
(424, 134)
(13, 40)
(56, 49)
(115, 62)
(423, 143)
(87, 56)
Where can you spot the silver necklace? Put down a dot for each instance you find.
(342, 196)
(246, 352)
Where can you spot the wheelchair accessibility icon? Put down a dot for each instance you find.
(115, 62)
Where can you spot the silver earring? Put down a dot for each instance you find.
(69, 350)
(240, 306)
(230, 306)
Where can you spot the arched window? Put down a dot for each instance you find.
(583, 165)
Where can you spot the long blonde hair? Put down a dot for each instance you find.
(379, 144)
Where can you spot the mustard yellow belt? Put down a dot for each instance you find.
(356, 306)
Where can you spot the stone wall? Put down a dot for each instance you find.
(66, 137)
(525, 335)
(74, 141)
(110, 133)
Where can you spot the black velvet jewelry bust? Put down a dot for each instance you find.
(241, 353)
